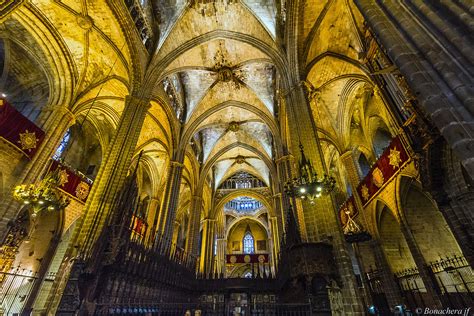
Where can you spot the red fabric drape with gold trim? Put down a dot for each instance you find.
(387, 166)
(18, 130)
(250, 258)
(71, 182)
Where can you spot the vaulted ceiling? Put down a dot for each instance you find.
(222, 78)
(222, 87)
(217, 63)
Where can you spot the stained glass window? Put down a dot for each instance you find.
(63, 145)
(248, 243)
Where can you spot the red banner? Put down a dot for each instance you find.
(72, 183)
(18, 130)
(250, 258)
(348, 209)
(387, 166)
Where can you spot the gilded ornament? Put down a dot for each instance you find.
(28, 140)
(377, 177)
(233, 259)
(261, 258)
(365, 192)
(84, 21)
(234, 126)
(63, 177)
(394, 157)
(82, 190)
(247, 259)
(240, 159)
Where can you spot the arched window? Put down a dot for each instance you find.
(63, 145)
(248, 243)
(364, 165)
(381, 141)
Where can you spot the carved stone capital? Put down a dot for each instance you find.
(281, 159)
(61, 110)
(176, 164)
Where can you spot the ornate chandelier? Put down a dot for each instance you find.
(42, 195)
(308, 185)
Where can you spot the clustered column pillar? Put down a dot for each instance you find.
(207, 246)
(170, 202)
(278, 219)
(322, 221)
(113, 171)
(460, 219)
(437, 78)
(422, 267)
(220, 256)
(391, 288)
(349, 163)
(285, 171)
(192, 241)
(274, 242)
(153, 213)
(175, 233)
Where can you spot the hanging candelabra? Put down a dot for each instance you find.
(42, 195)
(308, 186)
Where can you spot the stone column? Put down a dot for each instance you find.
(322, 217)
(443, 59)
(429, 71)
(207, 246)
(459, 216)
(152, 220)
(348, 161)
(363, 274)
(113, 172)
(170, 201)
(192, 241)
(221, 258)
(440, 15)
(285, 170)
(57, 120)
(431, 286)
(278, 230)
(275, 245)
(391, 288)
(174, 238)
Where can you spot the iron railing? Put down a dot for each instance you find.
(454, 281)
(206, 309)
(15, 288)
